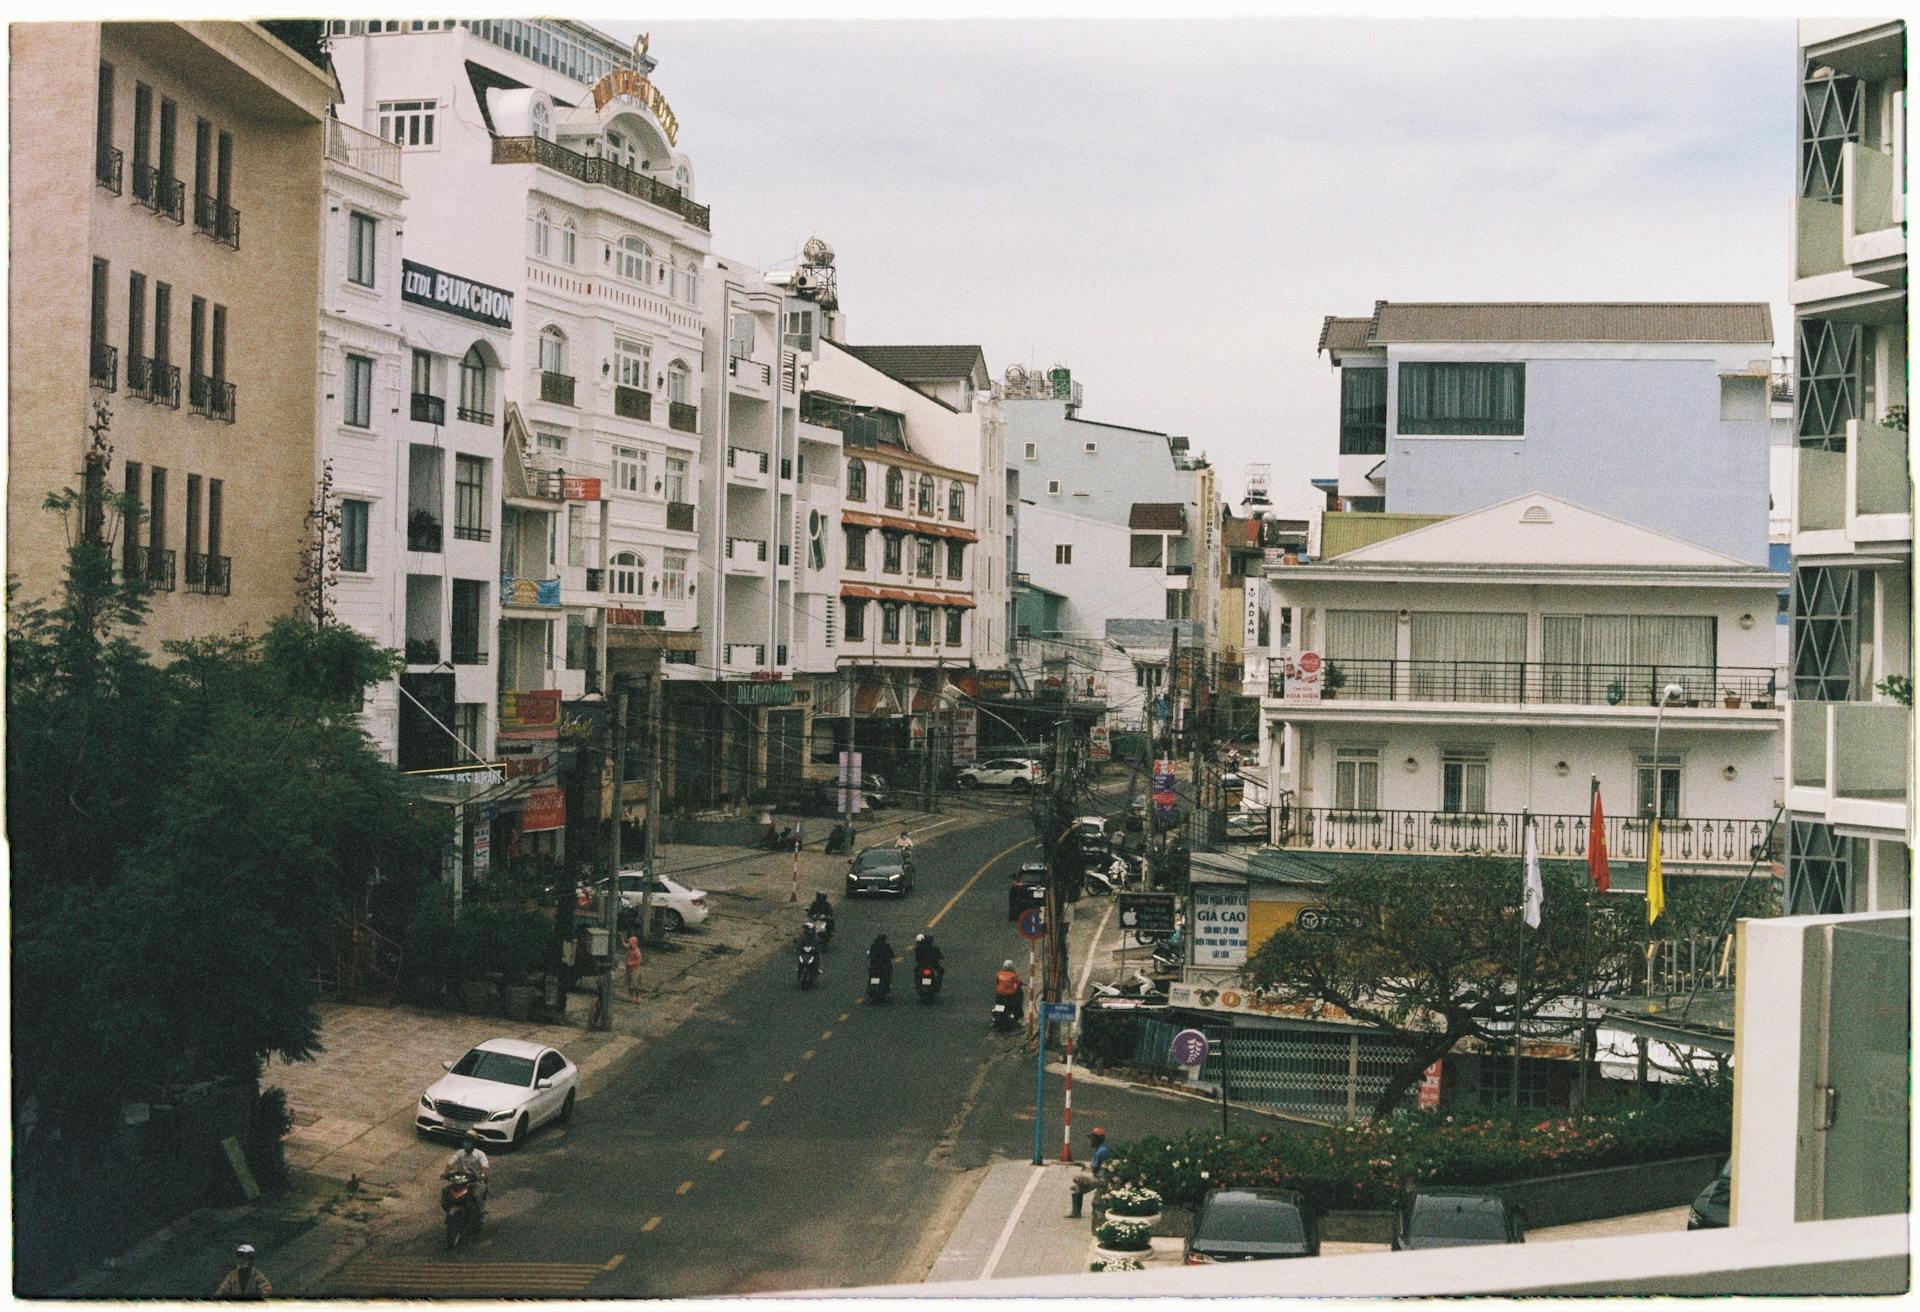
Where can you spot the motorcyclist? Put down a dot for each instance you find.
(809, 936)
(470, 1159)
(925, 953)
(1007, 986)
(880, 958)
(820, 908)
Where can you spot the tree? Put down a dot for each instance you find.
(1430, 949)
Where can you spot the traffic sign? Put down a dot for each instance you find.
(1033, 923)
(1061, 1011)
(1189, 1048)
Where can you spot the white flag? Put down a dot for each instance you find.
(1536, 893)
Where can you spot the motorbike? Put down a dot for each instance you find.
(879, 984)
(782, 839)
(926, 983)
(460, 1201)
(823, 926)
(1122, 872)
(1167, 955)
(1138, 990)
(807, 970)
(1006, 1012)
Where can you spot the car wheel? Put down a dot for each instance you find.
(675, 922)
(519, 1132)
(968, 781)
(1021, 785)
(566, 1109)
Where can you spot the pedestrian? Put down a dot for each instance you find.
(633, 968)
(1095, 1176)
(244, 1281)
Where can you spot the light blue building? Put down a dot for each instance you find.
(1082, 466)
(1657, 413)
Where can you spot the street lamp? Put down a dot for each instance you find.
(1673, 692)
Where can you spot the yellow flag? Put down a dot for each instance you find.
(1656, 890)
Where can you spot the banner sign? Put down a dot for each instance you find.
(1430, 1087)
(423, 285)
(1100, 743)
(756, 692)
(628, 618)
(1219, 926)
(1302, 672)
(534, 713)
(529, 592)
(1148, 913)
(546, 809)
(1166, 803)
(575, 488)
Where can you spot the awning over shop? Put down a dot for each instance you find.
(912, 596)
(897, 524)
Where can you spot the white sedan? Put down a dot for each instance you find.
(500, 1092)
(1008, 773)
(676, 904)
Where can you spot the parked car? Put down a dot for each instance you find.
(880, 870)
(1710, 1210)
(1247, 1225)
(1443, 1218)
(1007, 772)
(500, 1092)
(1091, 838)
(1027, 889)
(675, 904)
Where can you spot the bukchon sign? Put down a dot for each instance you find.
(424, 285)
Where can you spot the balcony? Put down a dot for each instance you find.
(746, 467)
(153, 380)
(422, 651)
(1872, 208)
(481, 417)
(632, 403)
(749, 373)
(363, 150)
(428, 409)
(209, 574)
(471, 532)
(218, 221)
(680, 516)
(1683, 840)
(424, 531)
(1879, 484)
(1847, 763)
(1540, 683)
(165, 196)
(475, 653)
(154, 566)
(212, 398)
(599, 172)
(103, 365)
(746, 656)
(557, 388)
(746, 555)
(106, 168)
(682, 417)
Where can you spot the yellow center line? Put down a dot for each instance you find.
(788, 1077)
(685, 1186)
(618, 1258)
(807, 1055)
(715, 1155)
(742, 1127)
(844, 1015)
(652, 1223)
(826, 1034)
(992, 861)
(767, 1101)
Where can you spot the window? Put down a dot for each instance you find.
(142, 130)
(923, 557)
(1463, 780)
(1092, 448)
(1053, 487)
(634, 261)
(632, 364)
(223, 171)
(103, 125)
(169, 125)
(470, 499)
(740, 336)
(553, 350)
(678, 377)
(360, 249)
(407, 123)
(956, 502)
(474, 402)
(890, 551)
(856, 622)
(923, 501)
(1479, 399)
(542, 120)
(620, 150)
(673, 575)
(625, 576)
(358, 410)
(889, 621)
(956, 553)
(1363, 411)
(423, 373)
(1033, 450)
(1179, 604)
(216, 500)
(197, 337)
(799, 333)
(468, 628)
(629, 469)
(896, 489)
(162, 322)
(136, 317)
(353, 536)
(1356, 778)
(1063, 553)
(856, 548)
(542, 233)
(156, 515)
(923, 625)
(1667, 768)
(1149, 551)
(856, 480)
(202, 157)
(676, 478)
(466, 725)
(220, 342)
(550, 439)
(953, 625)
(569, 243)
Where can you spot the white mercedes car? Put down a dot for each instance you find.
(500, 1092)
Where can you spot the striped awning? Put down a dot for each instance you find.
(912, 596)
(899, 525)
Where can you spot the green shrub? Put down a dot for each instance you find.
(272, 1120)
(1124, 1236)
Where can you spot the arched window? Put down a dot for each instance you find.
(635, 261)
(923, 500)
(553, 350)
(856, 480)
(542, 121)
(626, 574)
(569, 243)
(690, 283)
(956, 501)
(896, 488)
(475, 404)
(542, 233)
(679, 379)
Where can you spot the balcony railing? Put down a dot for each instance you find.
(1180, 571)
(363, 150)
(632, 403)
(220, 222)
(484, 417)
(103, 365)
(750, 655)
(153, 380)
(557, 388)
(746, 461)
(473, 654)
(429, 409)
(749, 371)
(1539, 683)
(1882, 479)
(107, 167)
(680, 516)
(424, 532)
(786, 552)
(211, 397)
(472, 532)
(165, 196)
(747, 549)
(1687, 839)
(683, 417)
(209, 574)
(153, 565)
(604, 172)
(423, 651)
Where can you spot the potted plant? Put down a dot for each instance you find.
(1133, 1202)
(1122, 1237)
(1332, 679)
(1732, 698)
(1897, 687)
(1116, 1264)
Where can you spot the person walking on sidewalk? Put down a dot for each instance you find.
(1095, 1176)
(244, 1281)
(633, 968)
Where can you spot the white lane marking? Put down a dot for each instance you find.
(1092, 949)
(1019, 1210)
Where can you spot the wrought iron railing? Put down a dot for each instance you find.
(165, 196)
(209, 574)
(1541, 682)
(557, 388)
(680, 516)
(472, 532)
(154, 565)
(211, 397)
(746, 460)
(1501, 833)
(584, 168)
(153, 379)
(472, 416)
(428, 409)
(103, 365)
(683, 417)
(218, 221)
(107, 168)
(632, 403)
(754, 549)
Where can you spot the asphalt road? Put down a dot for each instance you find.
(783, 1139)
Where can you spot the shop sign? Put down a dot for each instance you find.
(421, 284)
(624, 617)
(632, 85)
(482, 849)
(535, 713)
(1302, 672)
(1219, 926)
(515, 591)
(1430, 1086)
(1166, 802)
(1147, 913)
(575, 488)
(755, 692)
(1100, 743)
(546, 809)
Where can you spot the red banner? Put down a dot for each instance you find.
(546, 809)
(575, 488)
(535, 712)
(1430, 1087)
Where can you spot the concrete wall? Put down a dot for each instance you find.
(1128, 464)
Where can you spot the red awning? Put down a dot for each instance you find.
(899, 525)
(911, 596)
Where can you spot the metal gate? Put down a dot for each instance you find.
(1323, 1074)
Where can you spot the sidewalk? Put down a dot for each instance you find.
(357, 1166)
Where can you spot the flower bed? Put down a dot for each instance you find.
(1121, 1235)
(1375, 1165)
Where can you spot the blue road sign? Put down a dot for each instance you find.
(1060, 1011)
(1033, 923)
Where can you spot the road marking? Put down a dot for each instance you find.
(845, 1014)
(716, 1154)
(742, 1127)
(616, 1259)
(788, 1077)
(826, 1034)
(652, 1224)
(991, 862)
(412, 1278)
(1019, 1210)
(766, 1101)
(686, 1186)
(807, 1055)
(1087, 974)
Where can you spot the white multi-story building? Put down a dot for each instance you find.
(1850, 723)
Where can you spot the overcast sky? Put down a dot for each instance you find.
(1170, 208)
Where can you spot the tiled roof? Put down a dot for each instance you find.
(920, 364)
(1337, 334)
(1158, 516)
(1569, 321)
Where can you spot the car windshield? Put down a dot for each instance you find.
(500, 1067)
(1449, 1218)
(876, 856)
(1252, 1220)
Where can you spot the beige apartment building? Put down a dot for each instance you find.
(166, 198)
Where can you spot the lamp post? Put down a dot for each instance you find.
(1671, 693)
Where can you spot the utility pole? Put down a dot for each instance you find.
(1056, 896)
(603, 1014)
(654, 725)
(850, 791)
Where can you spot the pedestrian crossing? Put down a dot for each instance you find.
(455, 1277)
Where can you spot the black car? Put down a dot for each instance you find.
(1441, 1218)
(1090, 839)
(1710, 1209)
(880, 870)
(1028, 889)
(1249, 1225)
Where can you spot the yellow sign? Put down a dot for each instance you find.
(631, 84)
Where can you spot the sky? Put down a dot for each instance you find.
(1171, 208)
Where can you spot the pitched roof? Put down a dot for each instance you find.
(1570, 321)
(1337, 334)
(1158, 516)
(920, 364)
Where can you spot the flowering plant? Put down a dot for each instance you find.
(1132, 1200)
(1124, 1236)
(1118, 1264)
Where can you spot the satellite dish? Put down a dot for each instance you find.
(1016, 375)
(817, 251)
